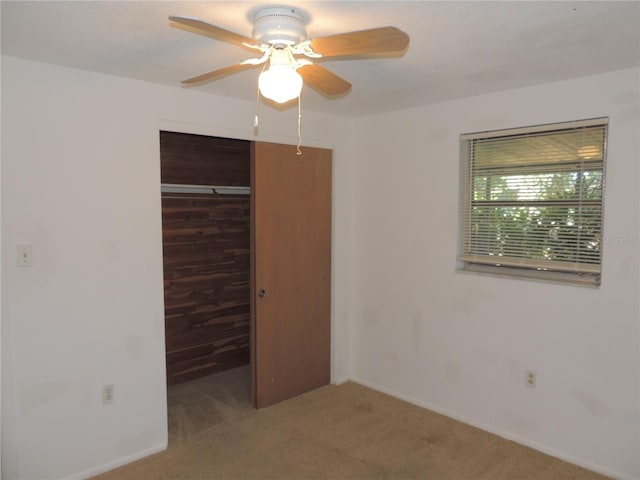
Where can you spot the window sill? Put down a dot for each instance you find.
(564, 278)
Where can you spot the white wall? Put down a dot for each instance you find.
(81, 183)
(460, 343)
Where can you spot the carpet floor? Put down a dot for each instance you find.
(335, 432)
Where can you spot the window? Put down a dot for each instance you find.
(531, 201)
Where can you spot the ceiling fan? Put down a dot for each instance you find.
(280, 36)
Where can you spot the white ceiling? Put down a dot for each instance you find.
(457, 49)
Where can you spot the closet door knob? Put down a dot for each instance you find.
(262, 293)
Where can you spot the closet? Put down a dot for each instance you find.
(247, 262)
(205, 229)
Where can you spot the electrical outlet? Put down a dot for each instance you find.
(108, 394)
(531, 378)
(25, 255)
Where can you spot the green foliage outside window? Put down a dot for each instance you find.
(546, 223)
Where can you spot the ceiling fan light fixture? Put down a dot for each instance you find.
(279, 33)
(280, 83)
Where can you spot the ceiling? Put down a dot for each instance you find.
(457, 49)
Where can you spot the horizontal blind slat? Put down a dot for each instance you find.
(520, 262)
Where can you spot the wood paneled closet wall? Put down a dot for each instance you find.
(206, 250)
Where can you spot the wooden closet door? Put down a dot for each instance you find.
(291, 248)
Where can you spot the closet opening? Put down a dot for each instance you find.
(206, 217)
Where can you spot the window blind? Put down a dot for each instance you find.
(533, 198)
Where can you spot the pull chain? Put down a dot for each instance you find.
(298, 151)
(256, 120)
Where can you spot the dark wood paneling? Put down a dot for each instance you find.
(202, 160)
(206, 256)
(206, 283)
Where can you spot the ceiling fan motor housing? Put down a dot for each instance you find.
(279, 25)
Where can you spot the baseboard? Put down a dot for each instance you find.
(488, 428)
(341, 380)
(118, 462)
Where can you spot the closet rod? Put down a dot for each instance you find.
(204, 189)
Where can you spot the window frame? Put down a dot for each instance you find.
(585, 274)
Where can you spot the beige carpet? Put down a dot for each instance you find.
(200, 404)
(335, 432)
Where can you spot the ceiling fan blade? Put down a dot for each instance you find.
(375, 40)
(323, 80)
(218, 33)
(221, 72)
